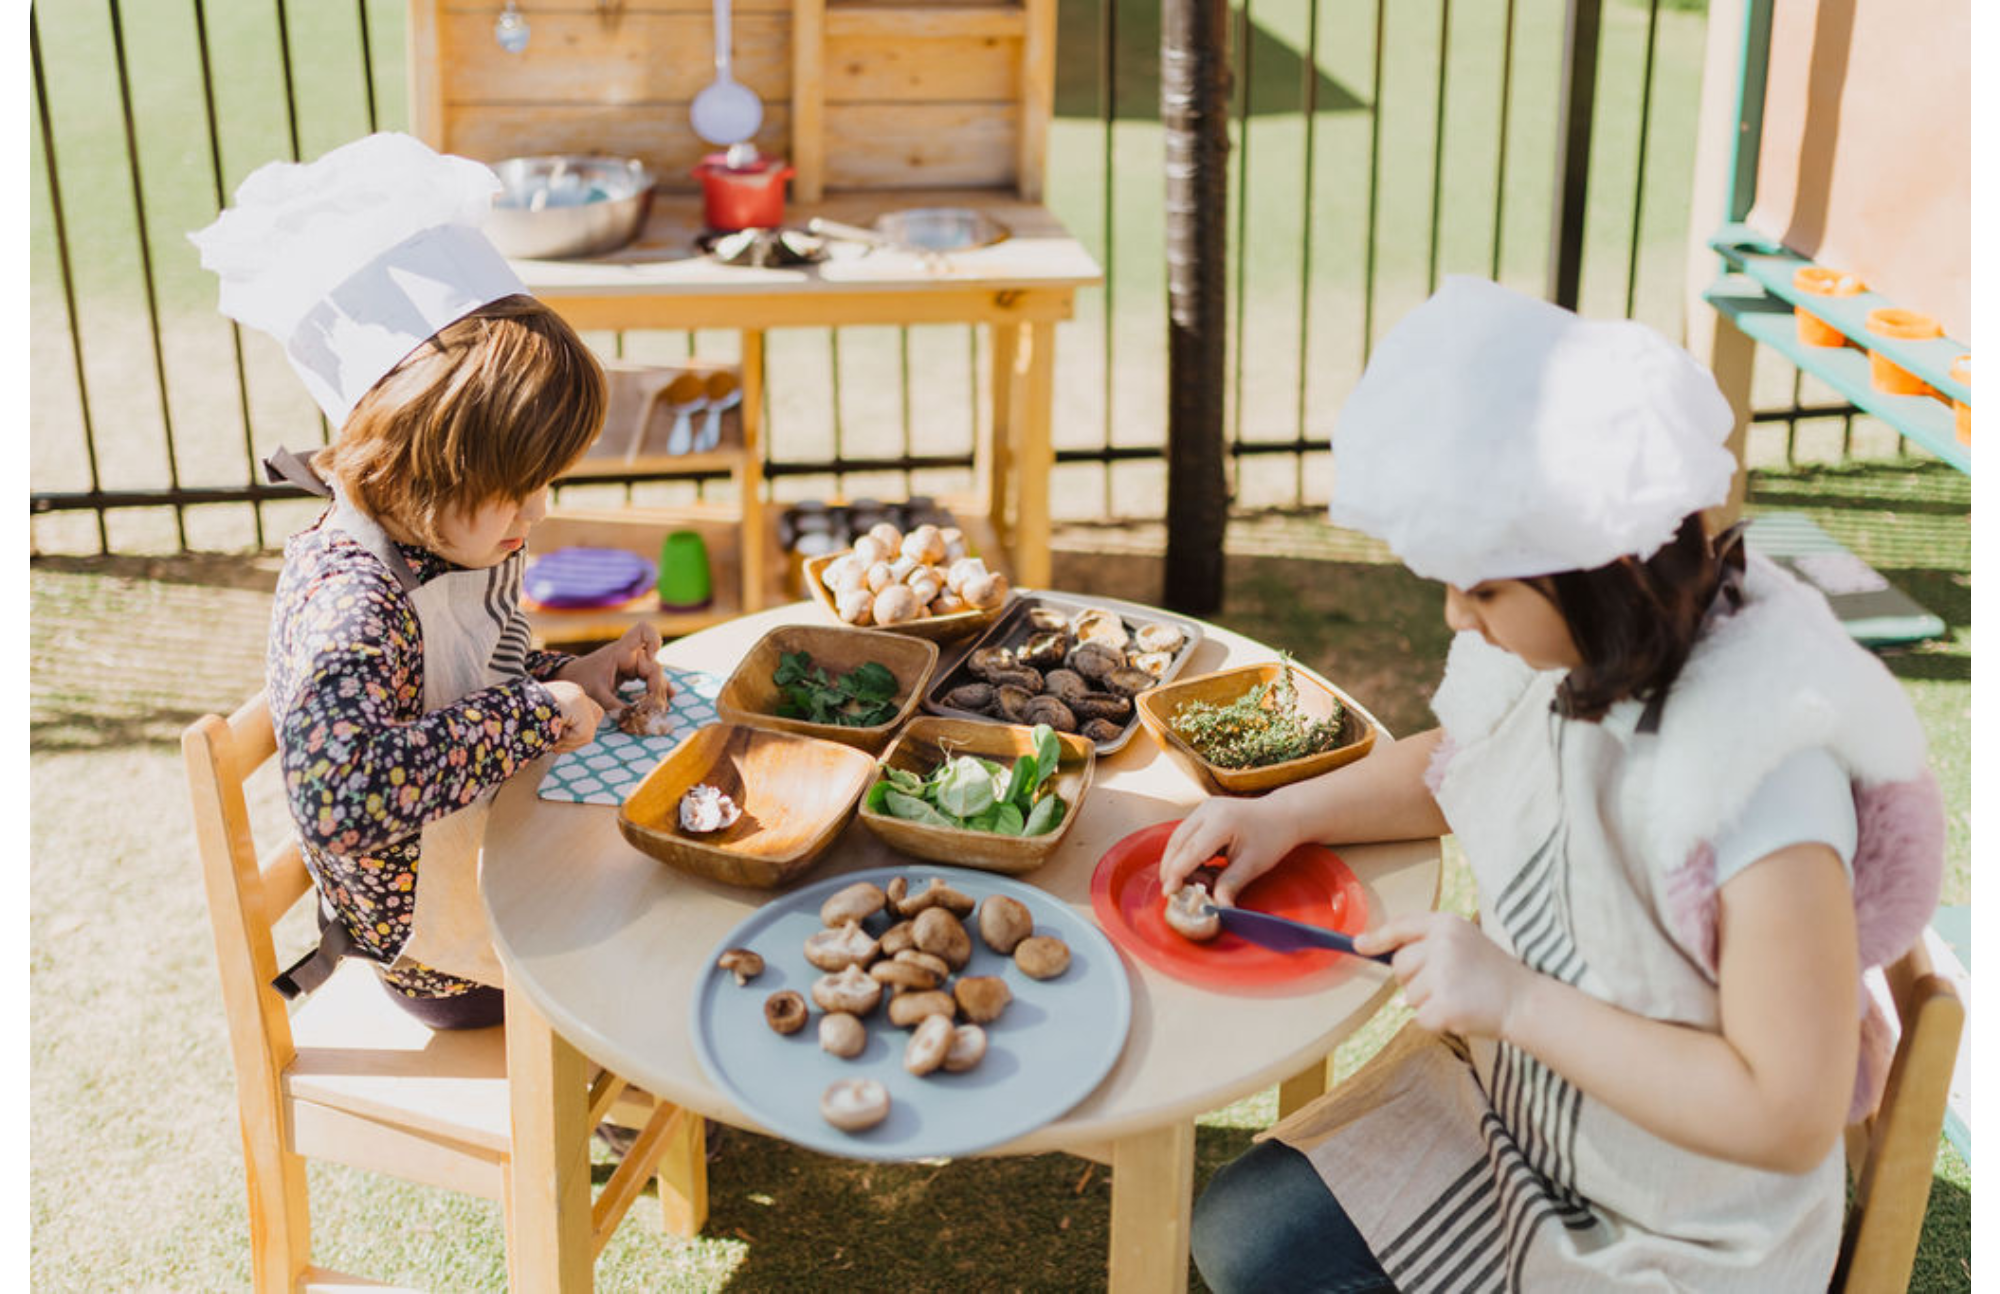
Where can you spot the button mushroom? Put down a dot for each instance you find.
(1004, 921)
(1042, 956)
(854, 1104)
(968, 1048)
(785, 1011)
(1189, 914)
(896, 604)
(906, 902)
(857, 902)
(982, 997)
(899, 974)
(842, 1034)
(853, 990)
(928, 1045)
(985, 591)
(898, 938)
(906, 1009)
(832, 950)
(855, 606)
(940, 933)
(929, 961)
(742, 963)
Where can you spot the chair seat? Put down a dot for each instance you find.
(361, 1053)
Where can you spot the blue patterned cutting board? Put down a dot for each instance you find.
(606, 771)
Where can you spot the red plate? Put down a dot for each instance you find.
(1310, 885)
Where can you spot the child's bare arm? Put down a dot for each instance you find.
(1769, 1089)
(1380, 797)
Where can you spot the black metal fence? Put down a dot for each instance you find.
(1376, 147)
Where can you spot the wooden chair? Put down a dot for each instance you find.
(350, 1078)
(1891, 1153)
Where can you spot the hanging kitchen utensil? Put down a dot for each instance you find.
(511, 29)
(725, 111)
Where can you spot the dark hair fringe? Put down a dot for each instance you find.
(1634, 622)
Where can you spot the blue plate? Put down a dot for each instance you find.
(1050, 1047)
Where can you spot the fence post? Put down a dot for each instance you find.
(1578, 106)
(1194, 107)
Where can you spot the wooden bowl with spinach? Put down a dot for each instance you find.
(975, 794)
(853, 686)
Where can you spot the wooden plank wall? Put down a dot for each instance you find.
(895, 94)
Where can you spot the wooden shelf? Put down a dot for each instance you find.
(917, 21)
(1920, 418)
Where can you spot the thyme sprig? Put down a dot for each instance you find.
(1263, 726)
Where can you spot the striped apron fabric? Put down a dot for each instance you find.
(1469, 1165)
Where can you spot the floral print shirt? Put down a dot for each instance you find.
(364, 766)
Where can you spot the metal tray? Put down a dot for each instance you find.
(1012, 629)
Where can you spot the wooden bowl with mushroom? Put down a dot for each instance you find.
(751, 696)
(928, 742)
(917, 618)
(1317, 700)
(794, 794)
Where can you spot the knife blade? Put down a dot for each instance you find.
(1286, 936)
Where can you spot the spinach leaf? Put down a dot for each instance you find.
(904, 780)
(1048, 753)
(1007, 820)
(1021, 783)
(912, 809)
(1048, 813)
(878, 796)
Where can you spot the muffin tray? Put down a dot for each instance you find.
(1014, 627)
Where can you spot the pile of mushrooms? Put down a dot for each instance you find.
(890, 577)
(916, 967)
(1075, 675)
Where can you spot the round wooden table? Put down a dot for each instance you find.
(603, 945)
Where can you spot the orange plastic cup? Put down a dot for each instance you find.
(1961, 371)
(1822, 282)
(1904, 325)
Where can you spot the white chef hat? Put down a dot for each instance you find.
(1495, 436)
(354, 260)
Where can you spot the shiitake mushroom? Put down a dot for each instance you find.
(1099, 626)
(907, 1009)
(1004, 921)
(856, 902)
(1159, 637)
(1099, 705)
(1011, 702)
(968, 1048)
(1065, 684)
(981, 998)
(842, 1034)
(1095, 660)
(976, 697)
(785, 1011)
(1048, 710)
(833, 950)
(853, 990)
(1101, 730)
(1128, 680)
(854, 1104)
(929, 1043)
(1042, 956)
(1044, 650)
(941, 934)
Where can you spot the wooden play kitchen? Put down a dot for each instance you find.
(876, 108)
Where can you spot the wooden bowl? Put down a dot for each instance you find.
(750, 697)
(796, 794)
(936, 628)
(1316, 697)
(927, 742)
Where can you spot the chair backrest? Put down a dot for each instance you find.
(247, 895)
(1892, 1152)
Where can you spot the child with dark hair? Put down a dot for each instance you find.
(400, 679)
(1695, 810)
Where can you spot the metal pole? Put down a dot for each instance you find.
(1579, 98)
(1194, 107)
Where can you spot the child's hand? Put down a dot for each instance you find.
(635, 655)
(580, 715)
(1252, 838)
(1454, 977)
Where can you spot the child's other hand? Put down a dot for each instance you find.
(1454, 977)
(1252, 839)
(634, 655)
(580, 715)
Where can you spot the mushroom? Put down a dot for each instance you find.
(954, 542)
(785, 1011)
(869, 550)
(879, 577)
(852, 991)
(896, 604)
(854, 1104)
(899, 974)
(1101, 730)
(1048, 710)
(924, 584)
(904, 567)
(1190, 915)
(925, 544)
(855, 606)
(988, 661)
(1042, 617)
(1044, 650)
(1128, 680)
(969, 696)
(856, 902)
(1065, 684)
(962, 571)
(1004, 921)
(1155, 663)
(984, 591)
(898, 938)
(842, 1034)
(1095, 660)
(948, 604)
(936, 893)
(1042, 956)
(1011, 702)
(982, 997)
(1159, 637)
(931, 962)
(968, 1048)
(1099, 705)
(849, 945)
(741, 962)
(906, 1009)
(1096, 626)
(928, 1045)
(887, 535)
(939, 933)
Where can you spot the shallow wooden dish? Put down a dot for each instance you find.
(923, 745)
(796, 794)
(1316, 697)
(750, 697)
(936, 628)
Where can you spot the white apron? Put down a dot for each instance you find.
(1470, 1165)
(474, 636)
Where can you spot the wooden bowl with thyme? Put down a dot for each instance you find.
(853, 686)
(1250, 729)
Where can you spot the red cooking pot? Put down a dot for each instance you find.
(746, 197)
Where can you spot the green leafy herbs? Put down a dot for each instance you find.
(1263, 726)
(861, 698)
(975, 794)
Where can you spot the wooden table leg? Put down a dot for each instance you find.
(750, 476)
(1304, 1087)
(1152, 1189)
(1034, 454)
(548, 1205)
(997, 439)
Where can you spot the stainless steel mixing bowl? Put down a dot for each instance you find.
(568, 204)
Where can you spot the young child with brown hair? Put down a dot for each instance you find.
(1695, 811)
(400, 679)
